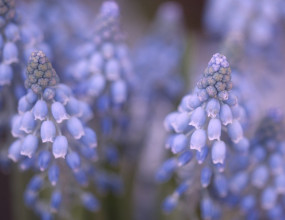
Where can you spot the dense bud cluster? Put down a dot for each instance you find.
(217, 78)
(40, 73)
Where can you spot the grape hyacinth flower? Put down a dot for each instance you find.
(200, 126)
(103, 70)
(260, 185)
(52, 136)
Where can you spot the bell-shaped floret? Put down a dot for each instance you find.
(44, 160)
(48, 131)
(59, 147)
(184, 158)
(260, 176)
(235, 131)
(10, 53)
(213, 108)
(73, 161)
(75, 127)
(179, 143)
(29, 146)
(40, 110)
(226, 115)
(268, 198)
(214, 129)
(28, 122)
(14, 152)
(58, 112)
(206, 175)
(53, 174)
(90, 138)
(119, 91)
(55, 201)
(198, 139)
(90, 202)
(198, 118)
(218, 152)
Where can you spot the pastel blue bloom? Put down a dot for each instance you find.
(55, 201)
(75, 127)
(166, 170)
(16, 124)
(96, 63)
(235, 131)
(35, 183)
(24, 105)
(14, 152)
(81, 177)
(181, 122)
(184, 158)
(221, 185)
(73, 107)
(280, 183)
(198, 139)
(90, 202)
(248, 203)
(62, 94)
(202, 155)
(10, 53)
(29, 146)
(239, 182)
(170, 120)
(179, 143)
(6, 74)
(119, 91)
(48, 94)
(260, 176)
(242, 145)
(53, 174)
(44, 160)
(58, 112)
(268, 198)
(276, 163)
(26, 163)
(73, 161)
(226, 115)
(206, 175)
(90, 138)
(198, 118)
(108, 52)
(190, 102)
(40, 110)
(59, 147)
(31, 97)
(170, 203)
(12, 32)
(207, 208)
(48, 131)
(112, 70)
(218, 152)
(213, 108)
(96, 85)
(214, 129)
(89, 153)
(28, 123)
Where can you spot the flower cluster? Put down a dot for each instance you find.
(199, 126)
(104, 68)
(51, 129)
(259, 186)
